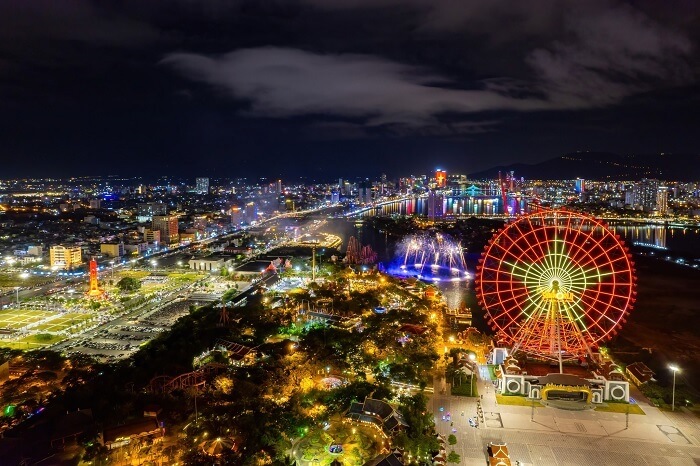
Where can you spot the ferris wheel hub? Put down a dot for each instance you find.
(555, 283)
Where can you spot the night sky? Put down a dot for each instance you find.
(328, 88)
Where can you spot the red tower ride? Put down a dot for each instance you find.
(94, 291)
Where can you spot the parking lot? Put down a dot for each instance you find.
(123, 336)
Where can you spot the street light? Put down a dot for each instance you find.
(472, 358)
(675, 369)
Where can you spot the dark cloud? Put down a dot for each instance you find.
(70, 20)
(281, 82)
(470, 82)
(611, 54)
(605, 56)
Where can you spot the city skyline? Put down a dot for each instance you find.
(292, 88)
(349, 232)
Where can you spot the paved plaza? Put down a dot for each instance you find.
(559, 437)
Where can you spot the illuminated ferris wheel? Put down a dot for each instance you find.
(555, 284)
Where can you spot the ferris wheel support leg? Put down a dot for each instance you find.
(555, 303)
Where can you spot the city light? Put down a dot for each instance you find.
(160, 256)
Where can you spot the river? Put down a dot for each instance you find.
(645, 239)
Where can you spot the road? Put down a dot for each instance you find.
(173, 256)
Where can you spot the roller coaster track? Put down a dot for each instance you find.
(167, 384)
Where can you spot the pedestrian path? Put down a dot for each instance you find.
(549, 436)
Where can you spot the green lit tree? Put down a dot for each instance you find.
(453, 457)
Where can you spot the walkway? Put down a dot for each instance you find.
(576, 438)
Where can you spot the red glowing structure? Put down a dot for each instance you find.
(94, 291)
(555, 284)
(357, 254)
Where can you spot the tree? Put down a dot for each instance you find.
(452, 440)
(224, 384)
(129, 284)
(453, 457)
(43, 337)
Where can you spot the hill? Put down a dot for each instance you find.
(605, 166)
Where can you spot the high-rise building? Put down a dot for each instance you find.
(168, 228)
(440, 178)
(434, 205)
(236, 216)
(251, 212)
(146, 211)
(580, 186)
(335, 196)
(662, 200)
(364, 193)
(200, 222)
(202, 185)
(65, 257)
(279, 186)
(645, 193)
(95, 203)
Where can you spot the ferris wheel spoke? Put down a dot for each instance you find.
(590, 265)
(607, 306)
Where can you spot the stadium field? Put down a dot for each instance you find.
(15, 319)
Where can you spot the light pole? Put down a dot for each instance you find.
(472, 358)
(675, 369)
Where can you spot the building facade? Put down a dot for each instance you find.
(112, 249)
(202, 185)
(65, 257)
(168, 227)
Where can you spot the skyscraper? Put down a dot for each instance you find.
(168, 228)
(662, 200)
(364, 193)
(440, 178)
(202, 185)
(434, 205)
(645, 194)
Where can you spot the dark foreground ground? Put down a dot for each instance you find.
(664, 327)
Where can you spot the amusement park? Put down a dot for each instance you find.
(337, 359)
(555, 287)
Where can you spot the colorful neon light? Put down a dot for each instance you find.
(556, 281)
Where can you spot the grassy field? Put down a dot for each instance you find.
(184, 276)
(138, 274)
(18, 318)
(62, 322)
(620, 408)
(10, 280)
(514, 400)
(31, 342)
